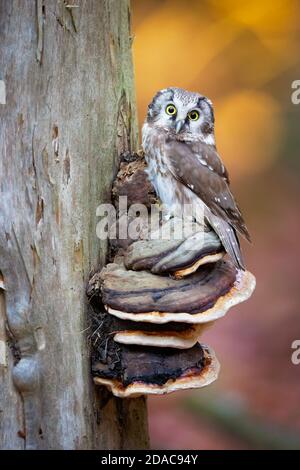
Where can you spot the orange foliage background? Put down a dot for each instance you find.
(243, 55)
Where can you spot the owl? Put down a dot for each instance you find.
(184, 167)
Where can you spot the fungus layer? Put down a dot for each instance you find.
(181, 256)
(167, 339)
(202, 297)
(159, 371)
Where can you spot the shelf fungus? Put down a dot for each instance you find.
(179, 257)
(158, 371)
(151, 303)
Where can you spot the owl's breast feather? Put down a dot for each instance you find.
(171, 192)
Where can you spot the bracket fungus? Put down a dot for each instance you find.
(179, 257)
(146, 371)
(153, 300)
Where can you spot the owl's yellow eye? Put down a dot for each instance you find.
(194, 115)
(171, 110)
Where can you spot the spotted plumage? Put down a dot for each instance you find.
(184, 166)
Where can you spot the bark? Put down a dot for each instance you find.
(69, 113)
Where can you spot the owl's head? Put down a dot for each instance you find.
(183, 113)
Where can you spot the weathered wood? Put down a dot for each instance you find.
(11, 413)
(69, 113)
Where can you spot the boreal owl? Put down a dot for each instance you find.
(184, 167)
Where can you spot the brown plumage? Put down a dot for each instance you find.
(208, 180)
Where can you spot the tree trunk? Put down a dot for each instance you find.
(68, 113)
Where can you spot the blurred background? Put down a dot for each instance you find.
(244, 55)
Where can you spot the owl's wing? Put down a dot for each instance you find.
(199, 167)
(208, 155)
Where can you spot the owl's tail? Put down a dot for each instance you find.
(229, 239)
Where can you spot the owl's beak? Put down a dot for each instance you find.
(179, 125)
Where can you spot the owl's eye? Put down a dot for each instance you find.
(171, 110)
(194, 115)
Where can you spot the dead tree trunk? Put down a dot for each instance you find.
(67, 112)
